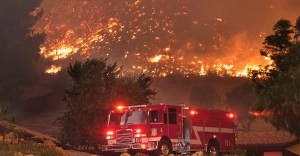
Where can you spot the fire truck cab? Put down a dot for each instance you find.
(162, 129)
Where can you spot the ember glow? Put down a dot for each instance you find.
(260, 114)
(159, 37)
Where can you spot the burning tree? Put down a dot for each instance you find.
(278, 84)
(96, 87)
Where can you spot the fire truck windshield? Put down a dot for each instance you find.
(128, 118)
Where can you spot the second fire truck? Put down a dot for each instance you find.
(162, 129)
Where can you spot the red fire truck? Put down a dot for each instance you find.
(162, 129)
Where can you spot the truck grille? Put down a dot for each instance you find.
(124, 136)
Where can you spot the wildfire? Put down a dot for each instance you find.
(155, 58)
(260, 114)
(53, 69)
(219, 19)
(145, 36)
(59, 53)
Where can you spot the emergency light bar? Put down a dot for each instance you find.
(121, 107)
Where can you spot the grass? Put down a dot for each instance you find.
(27, 148)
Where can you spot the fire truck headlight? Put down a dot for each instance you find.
(139, 135)
(152, 145)
(109, 137)
(143, 145)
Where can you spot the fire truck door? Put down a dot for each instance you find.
(156, 120)
(174, 123)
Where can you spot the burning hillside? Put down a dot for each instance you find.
(162, 37)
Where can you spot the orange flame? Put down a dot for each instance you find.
(96, 28)
(53, 70)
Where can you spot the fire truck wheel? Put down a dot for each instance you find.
(164, 147)
(213, 150)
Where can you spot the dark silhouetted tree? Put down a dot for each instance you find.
(204, 97)
(240, 99)
(133, 90)
(297, 28)
(278, 83)
(96, 88)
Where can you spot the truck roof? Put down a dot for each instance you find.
(164, 106)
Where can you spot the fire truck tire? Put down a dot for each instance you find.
(213, 150)
(164, 147)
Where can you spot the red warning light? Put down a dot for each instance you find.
(138, 131)
(193, 112)
(120, 107)
(110, 132)
(230, 115)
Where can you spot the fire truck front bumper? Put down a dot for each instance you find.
(126, 147)
(118, 147)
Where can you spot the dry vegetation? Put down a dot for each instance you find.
(16, 140)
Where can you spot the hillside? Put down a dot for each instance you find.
(175, 89)
(18, 141)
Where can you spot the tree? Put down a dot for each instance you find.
(96, 87)
(278, 83)
(240, 99)
(205, 97)
(297, 28)
(132, 90)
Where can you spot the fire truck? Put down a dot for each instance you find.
(162, 129)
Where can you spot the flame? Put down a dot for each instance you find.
(144, 38)
(53, 70)
(155, 58)
(219, 19)
(59, 53)
(260, 114)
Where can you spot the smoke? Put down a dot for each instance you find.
(186, 35)
(130, 32)
(23, 83)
